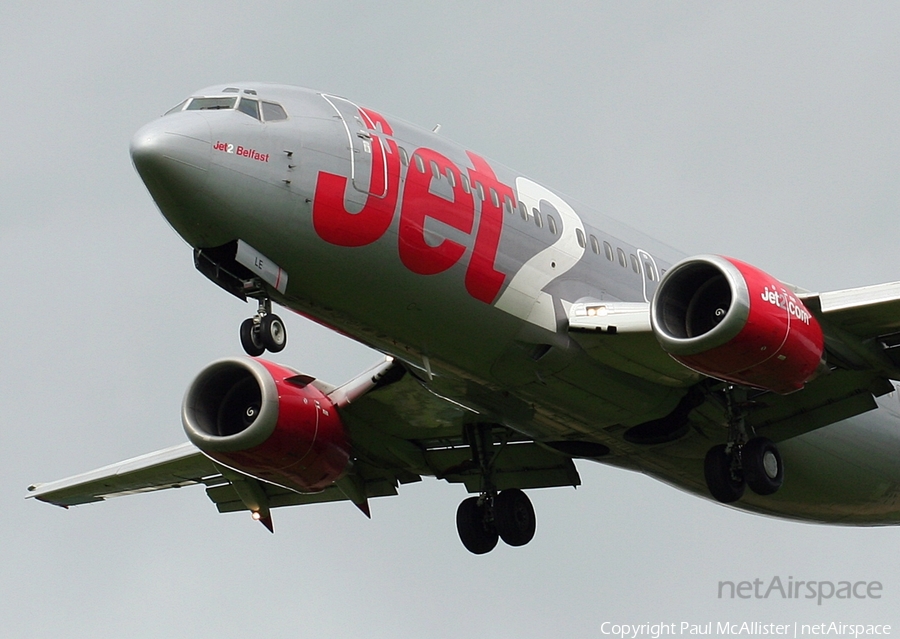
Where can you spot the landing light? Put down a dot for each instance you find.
(256, 516)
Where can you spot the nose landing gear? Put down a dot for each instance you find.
(263, 332)
(743, 461)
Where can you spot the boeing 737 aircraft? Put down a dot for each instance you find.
(520, 330)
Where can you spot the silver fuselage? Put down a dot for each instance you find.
(425, 259)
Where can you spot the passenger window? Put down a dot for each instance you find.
(450, 177)
(495, 199)
(634, 264)
(465, 182)
(507, 205)
(435, 172)
(273, 112)
(551, 224)
(404, 157)
(622, 261)
(580, 235)
(648, 269)
(538, 220)
(607, 249)
(595, 245)
(249, 107)
(480, 190)
(420, 164)
(523, 211)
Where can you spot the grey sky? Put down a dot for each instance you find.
(767, 131)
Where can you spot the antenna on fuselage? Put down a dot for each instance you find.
(437, 127)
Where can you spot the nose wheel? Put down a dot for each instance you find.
(263, 332)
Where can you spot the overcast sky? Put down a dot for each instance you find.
(766, 131)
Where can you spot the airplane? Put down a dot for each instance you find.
(520, 331)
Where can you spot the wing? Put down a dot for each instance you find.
(862, 325)
(862, 331)
(619, 335)
(173, 467)
(400, 432)
(868, 311)
(862, 337)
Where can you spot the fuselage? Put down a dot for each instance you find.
(466, 271)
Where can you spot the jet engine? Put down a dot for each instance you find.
(266, 421)
(730, 320)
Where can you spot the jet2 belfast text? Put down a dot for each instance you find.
(520, 330)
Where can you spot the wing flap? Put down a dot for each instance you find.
(824, 401)
(226, 498)
(515, 465)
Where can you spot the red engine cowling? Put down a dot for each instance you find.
(729, 320)
(267, 421)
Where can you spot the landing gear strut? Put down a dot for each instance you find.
(263, 332)
(743, 461)
(508, 515)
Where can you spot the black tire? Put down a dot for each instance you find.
(763, 468)
(723, 482)
(477, 534)
(250, 339)
(273, 333)
(514, 517)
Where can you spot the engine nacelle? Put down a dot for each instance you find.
(267, 421)
(729, 320)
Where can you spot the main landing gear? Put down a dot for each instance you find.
(743, 461)
(508, 515)
(264, 331)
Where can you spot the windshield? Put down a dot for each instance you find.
(250, 107)
(273, 112)
(179, 107)
(267, 111)
(211, 104)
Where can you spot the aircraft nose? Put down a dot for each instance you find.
(173, 150)
(172, 156)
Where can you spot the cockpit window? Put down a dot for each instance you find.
(250, 107)
(211, 104)
(272, 112)
(177, 108)
(269, 111)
